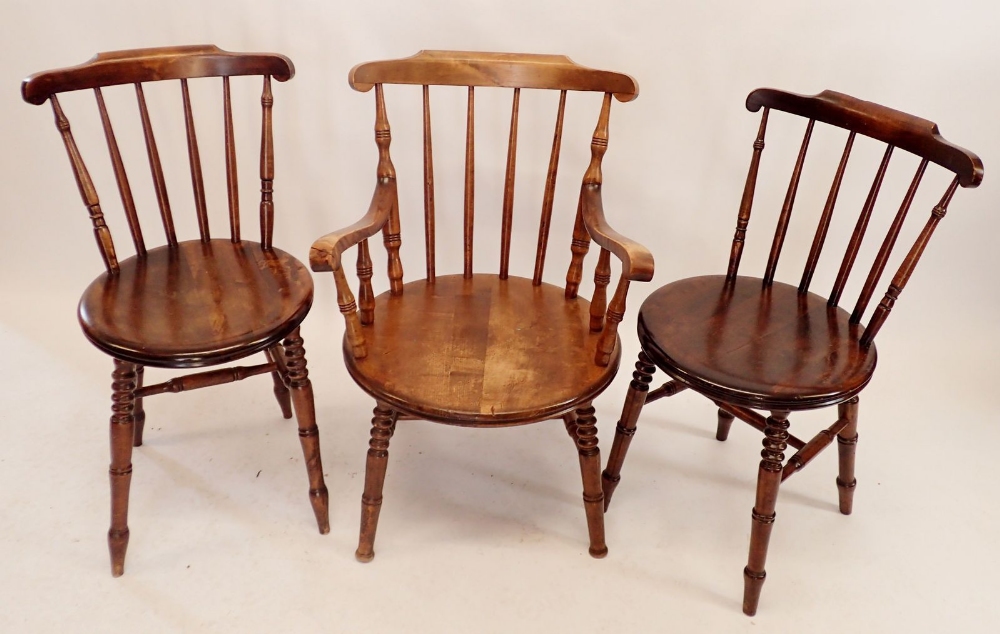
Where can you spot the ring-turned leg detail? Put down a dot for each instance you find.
(305, 412)
(383, 424)
(847, 444)
(123, 385)
(590, 468)
(768, 480)
(625, 429)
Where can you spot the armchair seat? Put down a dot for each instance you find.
(481, 351)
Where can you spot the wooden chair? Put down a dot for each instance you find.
(749, 343)
(477, 349)
(195, 303)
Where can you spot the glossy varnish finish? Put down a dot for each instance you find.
(484, 349)
(748, 342)
(192, 303)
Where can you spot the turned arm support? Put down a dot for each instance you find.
(326, 251)
(637, 265)
(325, 256)
(637, 261)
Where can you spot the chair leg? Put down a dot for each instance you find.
(139, 413)
(847, 444)
(569, 419)
(123, 384)
(725, 423)
(281, 392)
(305, 412)
(590, 468)
(768, 480)
(625, 429)
(383, 425)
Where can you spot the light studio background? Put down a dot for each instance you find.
(483, 530)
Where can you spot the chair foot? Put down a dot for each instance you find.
(123, 383)
(634, 400)
(590, 470)
(753, 582)
(725, 424)
(847, 444)
(305, 411)
(371, 500)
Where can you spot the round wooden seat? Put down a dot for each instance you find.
(481, 351)
(196, 304)
(763, 347)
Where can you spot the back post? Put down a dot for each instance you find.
(386, 170)
(266, 167)
(746, 204)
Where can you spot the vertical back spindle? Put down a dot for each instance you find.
(124, 190)
(386, 170)
(470, 182)
(824, 221)
(746, 204)
(87, 190)
(906, 268)
(886, 249)
(194, 158)
(786, 208)
(232, 182)
(266, 166)
(550, 190)
(592, 177)
(428, 187)
(508, 189)
(859, 230)
(159, 185)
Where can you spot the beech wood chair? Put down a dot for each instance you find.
(751, 343)
(194, 303)
(477, 349)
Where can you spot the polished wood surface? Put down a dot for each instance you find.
(189, 303)
(481, 351)
(196, 304)
(767, 348)
(484, 349)
(756, 343)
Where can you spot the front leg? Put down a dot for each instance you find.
(590, 469)
(768, 480)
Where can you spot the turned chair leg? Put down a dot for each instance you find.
(725, 424)
(305, 412)
(279, 377)
(768, 480)
(625, 429)
(847, 444)
(138, 413)
(569, 419)
(123, 385)
(585, 433)
(383, 425)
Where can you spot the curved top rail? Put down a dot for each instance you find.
(153, 64)
(913, 134)
(506, 70)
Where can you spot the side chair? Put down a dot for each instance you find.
(188, 303)
(751, 343)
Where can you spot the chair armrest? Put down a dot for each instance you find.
(637, 261)
(325, 252)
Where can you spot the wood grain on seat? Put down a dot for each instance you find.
(197, 304)
(481, 351)
(768, 348)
